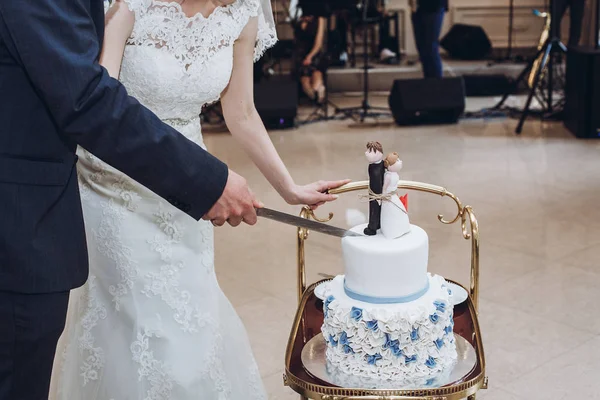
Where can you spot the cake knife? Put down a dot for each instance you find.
(304, 223)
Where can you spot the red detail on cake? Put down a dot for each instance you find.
(404, 200)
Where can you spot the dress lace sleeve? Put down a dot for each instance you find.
(267, 34)
(138, 7)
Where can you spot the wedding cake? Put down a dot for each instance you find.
(387, 318)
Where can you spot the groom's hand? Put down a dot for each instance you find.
(237, 204)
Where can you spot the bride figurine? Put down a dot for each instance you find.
(394, 216)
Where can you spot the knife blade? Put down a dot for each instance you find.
(304, 223)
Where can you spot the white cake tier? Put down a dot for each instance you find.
(354, 381)
(381, 270)
(406, 342)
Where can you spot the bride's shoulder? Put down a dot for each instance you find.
(128, 8)
(120, 16)
(250, 28)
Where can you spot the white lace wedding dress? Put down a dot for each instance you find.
(152, 322)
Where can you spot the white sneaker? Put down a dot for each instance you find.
(386, 54)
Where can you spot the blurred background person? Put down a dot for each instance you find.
(427, 20)
(310, 54)
(349, 13)
(576, 11)
(386, 41)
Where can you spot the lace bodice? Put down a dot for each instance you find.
(175, 64)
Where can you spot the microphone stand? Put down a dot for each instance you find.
(509, 50)
(551, 47)
(365, 110)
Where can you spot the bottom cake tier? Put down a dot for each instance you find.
(412, 340)
(405, 382)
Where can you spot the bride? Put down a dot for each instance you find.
(152, 323)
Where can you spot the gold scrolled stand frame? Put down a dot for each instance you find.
(303, 384)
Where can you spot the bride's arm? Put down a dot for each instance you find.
(119, 23)
(247, 128)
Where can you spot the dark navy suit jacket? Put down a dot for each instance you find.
(53, 96)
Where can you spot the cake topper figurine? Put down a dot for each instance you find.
(394, 216)
(374, 155)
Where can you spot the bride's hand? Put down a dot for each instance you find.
(314, 194)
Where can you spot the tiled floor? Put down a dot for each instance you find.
(536, 198)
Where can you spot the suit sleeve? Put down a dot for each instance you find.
(55, 42)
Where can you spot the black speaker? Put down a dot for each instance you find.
(427, 101)
(488, 85)
(277, 102)
(466, 42)
(582, 93)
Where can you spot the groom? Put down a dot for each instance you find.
(374, 155)
(53, 97)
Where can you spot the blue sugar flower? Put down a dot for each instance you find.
(326, 304)
(348, 349)
(450, 291)
(371, 360)
(414, 335)
(372, 325)
(329, 300)
(448, 329)
(332, 341)
(410, 360)
(344, 338)
(439, 343)
(431, 362)
(430, 382)
(440, 306)
(356, 313)
(388, 339)
(397, 351)
(434, 318)
(389, 343)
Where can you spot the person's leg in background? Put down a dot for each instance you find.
(417, 24)
(560, 6)
(342, 28)
(30, 326)
(386, 42)
(577, 10)
(427, 28)
(438, 20)
(337, 44)
(307, 85)
(318, 85)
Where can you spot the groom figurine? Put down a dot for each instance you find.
(54, 96)
(374, 155)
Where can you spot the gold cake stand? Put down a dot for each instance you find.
(309, 318)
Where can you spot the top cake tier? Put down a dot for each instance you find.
(385, 271)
